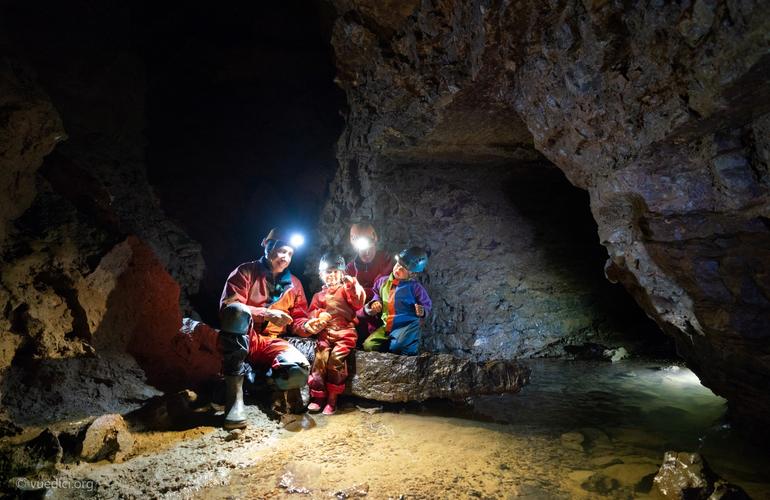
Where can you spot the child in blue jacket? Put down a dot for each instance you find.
(402, 302)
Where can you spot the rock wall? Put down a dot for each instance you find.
(90, 267)
(659, 111)
(29, 130)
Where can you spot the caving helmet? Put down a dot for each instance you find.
(279, 237)
(362, 235)
(331, 261)
(414, 259)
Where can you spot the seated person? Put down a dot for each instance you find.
(402, 302)
(370, 263)
(261, 301)
(333, 314)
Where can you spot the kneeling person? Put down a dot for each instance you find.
(333, 314)
(402, 302)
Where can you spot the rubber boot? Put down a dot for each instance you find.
(316, 404)
(331, 405)
(235, 416)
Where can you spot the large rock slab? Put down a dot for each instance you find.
(393, 378)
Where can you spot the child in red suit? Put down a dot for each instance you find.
(332, 316)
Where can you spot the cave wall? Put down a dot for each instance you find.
(510, 273)
(90, 267)
(658, 110)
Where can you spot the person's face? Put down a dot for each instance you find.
(400, 272)
(365, 254)
(332, 276)
(280, 258)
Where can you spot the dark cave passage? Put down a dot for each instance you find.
(242, 117)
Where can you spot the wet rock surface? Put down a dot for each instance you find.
(687, 475)
(659, 112)
(393, 378)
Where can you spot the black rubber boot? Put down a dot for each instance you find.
(235, 416)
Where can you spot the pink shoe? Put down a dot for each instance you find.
(329, 409)
(315, 405)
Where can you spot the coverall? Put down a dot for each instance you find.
(401, 331)
(252, 284)
(367, 274)
(329, 371)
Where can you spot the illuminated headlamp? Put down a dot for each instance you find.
(362, 243)
(297, 240)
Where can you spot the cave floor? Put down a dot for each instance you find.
(580, 430)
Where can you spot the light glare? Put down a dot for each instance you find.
(362, 243)
(297, 240)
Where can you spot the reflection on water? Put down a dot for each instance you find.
(579, 430)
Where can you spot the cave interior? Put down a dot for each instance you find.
(148, 148)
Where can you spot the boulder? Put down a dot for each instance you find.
(687, 476)
(42, 452)
(393, 378)
(108, 438)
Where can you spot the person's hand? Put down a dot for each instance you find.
(314, 325)
(325, 317)
(419, 310)
(349, 280)
(376, 306)
(276, 317)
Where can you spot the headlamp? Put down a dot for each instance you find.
(297, 240)
(362, 243)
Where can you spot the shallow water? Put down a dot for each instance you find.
(579, 430)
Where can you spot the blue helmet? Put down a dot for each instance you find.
(331, 261)
(413, 259)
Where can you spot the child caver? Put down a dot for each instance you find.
(403, 302)
(332, 313)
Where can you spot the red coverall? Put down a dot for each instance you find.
(330, 370)
(252, 284)
(367, 274)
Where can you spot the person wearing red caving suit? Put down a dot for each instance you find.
(261, 301)
(333, 316)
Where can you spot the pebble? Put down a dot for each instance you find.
(234, 434)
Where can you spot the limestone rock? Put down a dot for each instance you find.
(41, 452)
(108, 438)
(687, 475)
(109, 383)
(393, 378)
(198, 345)
(30, 127)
